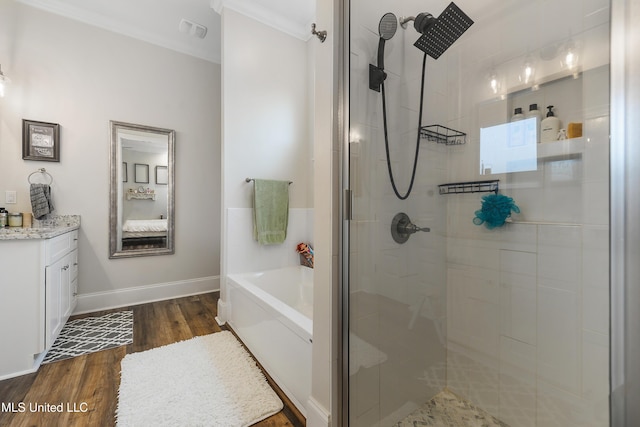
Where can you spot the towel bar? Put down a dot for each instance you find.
(253, 179)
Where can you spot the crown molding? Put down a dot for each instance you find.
(268, 16)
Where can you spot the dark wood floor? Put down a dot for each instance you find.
(95, 378)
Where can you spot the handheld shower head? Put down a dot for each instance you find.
(386, 29)
(387, 26)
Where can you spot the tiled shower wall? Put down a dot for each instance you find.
(514, 319)
(527, 304)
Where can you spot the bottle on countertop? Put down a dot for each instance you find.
(3, 218)
(549, 127)
(534, 113)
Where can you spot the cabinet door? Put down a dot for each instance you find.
(53, 286)
(58, 302)
(72, 288)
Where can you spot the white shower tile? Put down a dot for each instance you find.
(595, 370)
(595, 308)
(517, 383)
(595, 272)
(520, 237)
(518, 307)
(518, 262)
(596, 134)
(559, 267)
(558, 338)
(364, 386)
(559, 256)
(558, 408)
(476, 253)
(595, 204)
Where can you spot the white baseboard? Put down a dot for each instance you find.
(317, 415)
(97, 301)
(221, 318)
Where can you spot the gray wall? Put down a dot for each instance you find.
(81, 77)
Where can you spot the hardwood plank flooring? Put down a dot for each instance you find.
(94, 379)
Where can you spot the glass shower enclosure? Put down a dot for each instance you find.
(484, 292)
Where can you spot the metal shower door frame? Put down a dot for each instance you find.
(624, 243)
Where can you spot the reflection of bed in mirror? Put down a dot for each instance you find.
(144, 234)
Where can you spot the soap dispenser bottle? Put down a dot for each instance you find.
(517, 115)
(534, 113)
(549, 126)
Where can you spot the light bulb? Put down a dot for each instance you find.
(528, 71)
(495, 85)
(570, 55)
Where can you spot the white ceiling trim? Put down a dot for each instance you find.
(98, 20)
(267, 16)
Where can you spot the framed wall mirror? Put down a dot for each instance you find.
(141, 217)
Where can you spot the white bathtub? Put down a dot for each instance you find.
(272, 311)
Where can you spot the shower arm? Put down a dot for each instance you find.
(404, 21)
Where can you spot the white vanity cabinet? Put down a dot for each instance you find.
(38, 287)
(61, 283)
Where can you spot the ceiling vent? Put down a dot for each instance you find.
(192, 28)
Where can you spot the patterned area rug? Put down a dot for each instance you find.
(83, 336)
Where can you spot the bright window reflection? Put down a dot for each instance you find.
(510, 147)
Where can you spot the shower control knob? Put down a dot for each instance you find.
(402, 228)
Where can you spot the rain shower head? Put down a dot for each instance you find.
(439, 34)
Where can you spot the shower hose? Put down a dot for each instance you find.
(386, 136)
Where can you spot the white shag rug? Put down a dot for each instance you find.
(209, 380)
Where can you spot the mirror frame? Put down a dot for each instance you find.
(114, 161)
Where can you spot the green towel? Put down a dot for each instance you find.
(270, 211)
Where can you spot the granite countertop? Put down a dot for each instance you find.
(42, 229)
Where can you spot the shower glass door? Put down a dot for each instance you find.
(500, 309)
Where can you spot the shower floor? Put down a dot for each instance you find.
(448, 410)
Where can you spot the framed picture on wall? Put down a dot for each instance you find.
(141, 173)
(162, 178)
(125, 174)
(40, 141)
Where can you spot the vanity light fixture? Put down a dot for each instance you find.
(4, 81)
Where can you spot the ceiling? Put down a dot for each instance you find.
(158, 21)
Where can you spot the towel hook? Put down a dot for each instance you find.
(322, 35)
(42, 171)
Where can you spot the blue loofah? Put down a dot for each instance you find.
(496, 208)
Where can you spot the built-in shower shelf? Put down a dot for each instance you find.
(565, 148)
(470, 187)
(443, 135)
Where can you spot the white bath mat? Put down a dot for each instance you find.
(205, 381)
